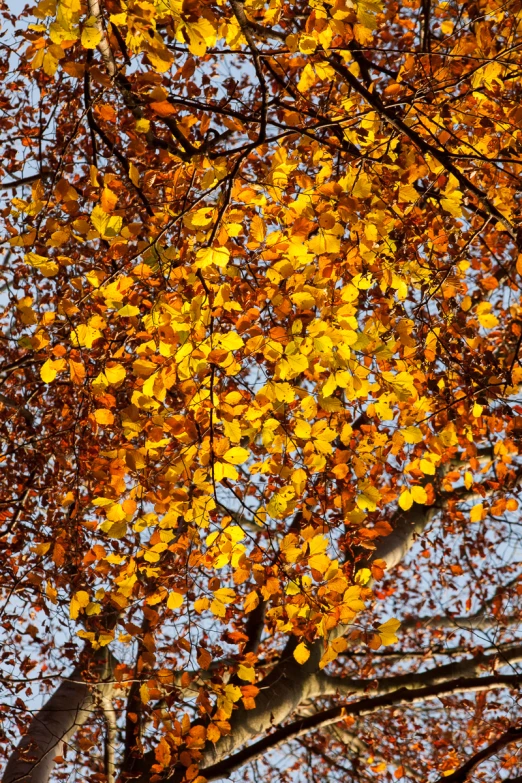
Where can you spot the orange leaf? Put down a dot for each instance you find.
(163, 108)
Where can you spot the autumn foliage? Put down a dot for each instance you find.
(260, 416)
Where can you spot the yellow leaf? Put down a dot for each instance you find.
(236, 455)
(412, 434)
(303, 300)
(246, 673)
(317, 544)
(488, 320)
(218, 608)
(427, 467)
(231, 341)
(477, 410)
(476, 513)
(387, 631)
(134, 174)
(106, 225)
(225, 594)
(329, 656)
(307, 79)
(362, 576)
(128, 311)
(201, 604)
(84, 335)
(320, 563)
(50, 369)
(257, 229)
(419, 494)
(142, 126)
(174, 600)
(115, 374)
(406, 500)
(232, 430)
(307, 44)
(91, 36)
(79, 601)
(46, 266)
(219, 256)
(301, 653)
(201, 218)
(302, 429)
(390, 626)
(144, 693)
(369, 496)
(115, 513)
(251, 601)
(104, 416)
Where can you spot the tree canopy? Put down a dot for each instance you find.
(260, 414)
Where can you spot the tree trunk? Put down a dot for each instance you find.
(69, 707)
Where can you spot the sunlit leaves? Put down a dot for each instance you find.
(388, 631)
(415, 494)
(476, 513)
(175, 600)
(51, 368)
(106, 225)
(256, 320)
(301, 653)
(219, 256)
(79, 601)
(91, 35)
(47, 267)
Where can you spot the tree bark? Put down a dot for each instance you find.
(69, 707)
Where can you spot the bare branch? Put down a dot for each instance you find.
(328, 686)
(462, 773)
(482, 620)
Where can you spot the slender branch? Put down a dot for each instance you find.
(462, 773)
(20, 182)
(437, 675)
(482, 620)
(88, 107)
(375, 101)
(13, 524)
(124, 162)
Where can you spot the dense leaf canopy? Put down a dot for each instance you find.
(261, 331)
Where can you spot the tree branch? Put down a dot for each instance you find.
(482, 620)
(375, 101)
(437, 675)
(111, 733)
(366, 706)
(462, 773)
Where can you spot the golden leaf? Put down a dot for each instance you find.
(301, 653)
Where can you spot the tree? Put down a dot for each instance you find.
(261, 362)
